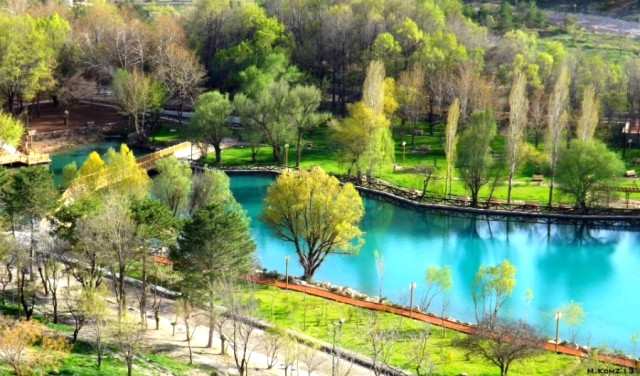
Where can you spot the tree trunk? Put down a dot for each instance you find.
(54, 302)
(509, 189)
(143, 292)
(156, 314)
(32, 250)
(44, 281)
(298, 148)
(277, 156)
(218, 150)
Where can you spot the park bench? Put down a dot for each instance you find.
(636, 161)
(423, 148)
(537, 179)
(564, 206)
(530, 205)
(630, 173)
(308, 145)
(492, 201)
(90, 123)
(462, 200)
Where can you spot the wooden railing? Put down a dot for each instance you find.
(25, 159)
(101, 179)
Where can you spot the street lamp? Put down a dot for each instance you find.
(286, 155)
(558, 316)
(412, 286)
(404, 143)
(286, 271)
(337, 325)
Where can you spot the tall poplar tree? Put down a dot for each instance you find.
(450, 142)
(558, 118)
(518, 108)
(589, 118)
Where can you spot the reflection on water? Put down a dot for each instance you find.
(599, 268)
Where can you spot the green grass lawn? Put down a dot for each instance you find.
(167, 131)
(322, 155)
(315, 317)
(612, 48)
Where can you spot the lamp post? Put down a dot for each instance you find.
(412, 286)
(404, 144)
(286, 272)
(337, 325)
(558, 316)
(286, 155)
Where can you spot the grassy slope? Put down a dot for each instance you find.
(315, 316)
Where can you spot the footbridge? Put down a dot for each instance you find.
(101, 179)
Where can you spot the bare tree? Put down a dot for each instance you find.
(518, 104)
(558, 118)
(93, 305)
(503, 343)
(182, 75)
(242, 310)
(129, 338)
(273, 341)
(420, 356)
(381, 342)
(310, 355)
(51, 269)
(71, 301)
(290, 351)
(186, 310)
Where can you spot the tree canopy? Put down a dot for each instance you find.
(316, 214)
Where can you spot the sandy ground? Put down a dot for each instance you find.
(164, 341)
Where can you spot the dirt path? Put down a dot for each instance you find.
(164, 341)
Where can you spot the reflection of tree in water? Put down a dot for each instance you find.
(578, 257)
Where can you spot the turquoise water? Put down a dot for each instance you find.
(598, 268)
(80, 153)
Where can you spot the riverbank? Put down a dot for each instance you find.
(55, 145)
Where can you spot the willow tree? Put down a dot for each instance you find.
(558, 118)
(474, 157)
(518, 107)
(589, 118)
(450, 141)
(314, 212)
(209, 122)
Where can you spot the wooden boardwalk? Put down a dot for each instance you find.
(25, 159)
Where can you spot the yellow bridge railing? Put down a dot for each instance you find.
(101, 179)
